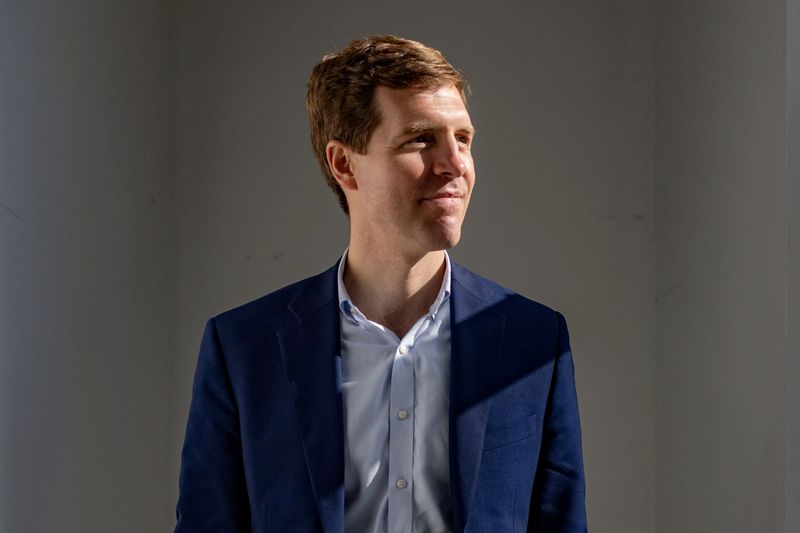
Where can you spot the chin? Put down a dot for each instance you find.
(447, 239)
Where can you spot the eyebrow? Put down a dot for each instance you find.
(421, 127)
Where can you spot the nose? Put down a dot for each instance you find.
(449, 160)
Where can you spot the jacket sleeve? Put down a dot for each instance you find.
(213, 495)
(557, 500)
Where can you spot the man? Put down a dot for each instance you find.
(397, 391)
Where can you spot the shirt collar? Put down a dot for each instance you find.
(351, 311)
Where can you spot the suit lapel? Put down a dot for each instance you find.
(311, 354)
(477, 337)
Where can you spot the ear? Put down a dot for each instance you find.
(340, 161)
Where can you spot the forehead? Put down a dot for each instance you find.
(442, 104)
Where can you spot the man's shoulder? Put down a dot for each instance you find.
(275, 308)
(503, 299)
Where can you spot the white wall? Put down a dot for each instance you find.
(562, 211)
(85, 287)
(721, 266)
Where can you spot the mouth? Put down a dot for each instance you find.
(445, 198)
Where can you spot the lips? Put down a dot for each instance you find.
(445, 196)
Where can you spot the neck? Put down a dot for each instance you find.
(393, 289)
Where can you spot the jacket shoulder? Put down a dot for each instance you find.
(504, 299)
(273, 310)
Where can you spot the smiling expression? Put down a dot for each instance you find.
(413, 184)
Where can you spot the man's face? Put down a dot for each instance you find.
(415, 180)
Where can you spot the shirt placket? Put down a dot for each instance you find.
(401, 433)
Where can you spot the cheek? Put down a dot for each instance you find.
(411, 165)
(470, 179)
(470, 164)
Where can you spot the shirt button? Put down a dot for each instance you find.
(401, 483)
(403, 349)
(402, 414)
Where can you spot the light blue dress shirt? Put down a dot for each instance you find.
(396, 399)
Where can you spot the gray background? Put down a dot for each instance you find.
(637, 169)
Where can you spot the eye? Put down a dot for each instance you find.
(422, 139)
(464, 139)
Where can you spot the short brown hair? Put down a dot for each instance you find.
(341, 87)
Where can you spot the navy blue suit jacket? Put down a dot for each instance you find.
(264, 447)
